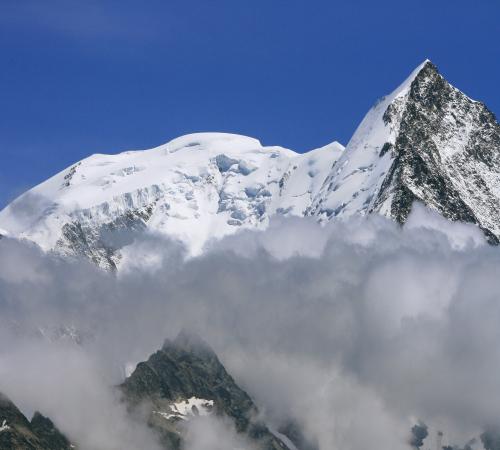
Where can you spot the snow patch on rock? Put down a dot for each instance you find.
(188, 408)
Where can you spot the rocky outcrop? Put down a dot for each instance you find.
(426, 142)
(185, 379)
(18, 433)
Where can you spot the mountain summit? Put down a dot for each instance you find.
(185, 380)
(427, 142)
(195, 188)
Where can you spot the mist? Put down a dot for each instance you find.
(358, 330)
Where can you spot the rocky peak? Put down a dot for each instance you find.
(425, 142)
(48, 433)
(18, 433)
(446, 155)
(185, 379)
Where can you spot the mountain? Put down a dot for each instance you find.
(17, 433)
(425, 142)
(182, 382)
(185, 380)
(195, 188)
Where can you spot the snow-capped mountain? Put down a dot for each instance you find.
(426, 142)
(195, 188)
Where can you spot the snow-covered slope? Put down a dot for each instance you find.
(426, 142)
(195, 188)
(358, 175)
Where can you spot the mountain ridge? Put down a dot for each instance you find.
(194, 188)
(185, 381)
(17, 432)
(425, 142)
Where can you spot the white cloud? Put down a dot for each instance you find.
(356, 329)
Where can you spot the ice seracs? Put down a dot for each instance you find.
(426, 142)
(195, 188)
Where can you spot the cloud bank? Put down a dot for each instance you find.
(358, 330)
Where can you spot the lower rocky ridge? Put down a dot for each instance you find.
(185, 380)
(18, 433)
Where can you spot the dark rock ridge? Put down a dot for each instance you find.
(442, 149)
(18, 433)
(184, 369)
(460, 180)
(426, 142)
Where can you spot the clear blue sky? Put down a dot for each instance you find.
(85, 76)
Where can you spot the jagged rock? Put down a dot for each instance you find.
(186, 379)
(48, 433)
(17, 433)
(425, 142)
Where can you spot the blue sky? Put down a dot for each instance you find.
(85, 76)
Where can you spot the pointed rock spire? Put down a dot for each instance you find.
(425, 142)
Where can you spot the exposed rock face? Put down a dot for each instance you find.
(48, 433)
(17, 433)
(425, 142)
(186, 379)
(101, 243)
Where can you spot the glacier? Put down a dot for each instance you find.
(426, 142)
(195, 188)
